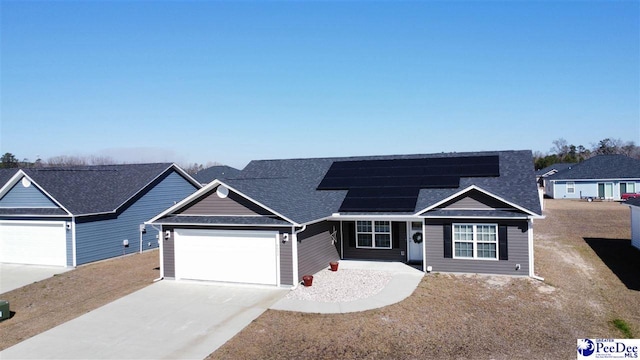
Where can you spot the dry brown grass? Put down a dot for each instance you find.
(45, 304)
(461, 317)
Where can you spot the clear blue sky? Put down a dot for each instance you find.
(230, 82)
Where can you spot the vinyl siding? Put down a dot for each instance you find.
(168, 254)
(26, 197)
(474, 200)
(233, 204)
(69, 242)
(586, 189)
(397, 253)
(635, 226)
(286, 262)
(101, 237)
(316, 248)
(517, 250)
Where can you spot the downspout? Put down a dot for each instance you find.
(161, 251)
(294, 253)
(74, 260)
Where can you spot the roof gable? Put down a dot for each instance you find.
(25, 194)
(86, 190)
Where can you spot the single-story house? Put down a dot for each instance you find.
(604, 177)
(70, 216)
(211, 173)
(279, 220)
(634, 204)
(542, 174)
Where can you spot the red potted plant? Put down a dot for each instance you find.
(308, 280)
(334, 265)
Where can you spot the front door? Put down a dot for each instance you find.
(415, 241)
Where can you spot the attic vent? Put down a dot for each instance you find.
(26, 182)
(222, 192)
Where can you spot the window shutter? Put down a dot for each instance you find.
(502, 243)
(349, 228)
(448, 248)
(395, 234)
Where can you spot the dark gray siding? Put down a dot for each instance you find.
(286, 263)
(233, 204)
(397, 253)
(473, 200)
(69, 242)
(316, 248)
(26, 197)
(518, 250)
(168, 254)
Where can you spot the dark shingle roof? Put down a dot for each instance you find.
(87, 190)
(6, 175)
(602, 167)
(557, 167)
(223, 220)
(289, 187)
(221, 172)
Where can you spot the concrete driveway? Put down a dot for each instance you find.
(166, 320)
(13, 276)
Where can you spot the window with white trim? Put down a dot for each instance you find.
(571, 187)
(373, 234)
(475, 241)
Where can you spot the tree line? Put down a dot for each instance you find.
(9, 160)
(563, 152)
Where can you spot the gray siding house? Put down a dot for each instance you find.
(604, 177)
(75, 215)
(279, 220)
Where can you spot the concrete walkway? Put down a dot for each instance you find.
(166, 320)
(404, 281)
(13, 276)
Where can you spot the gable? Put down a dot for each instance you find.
(473, 200)
(24, 194)
(216, 203)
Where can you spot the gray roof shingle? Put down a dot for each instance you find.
(289, 186)
(85, 190)
(601, 167)
(215, 172)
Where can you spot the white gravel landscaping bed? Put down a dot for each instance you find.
(342, 285)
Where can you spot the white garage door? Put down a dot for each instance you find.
(229, 256)
(36, 243)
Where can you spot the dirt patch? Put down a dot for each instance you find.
(478, 317)
(45, 304)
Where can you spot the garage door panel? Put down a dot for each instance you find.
(33, 243)
(239, 257)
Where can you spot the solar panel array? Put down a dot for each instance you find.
(393, 185)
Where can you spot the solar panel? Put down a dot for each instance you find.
(394, 184)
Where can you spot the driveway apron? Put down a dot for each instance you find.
(13, 276)
(166, 320)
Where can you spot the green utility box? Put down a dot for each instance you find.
(4, 310)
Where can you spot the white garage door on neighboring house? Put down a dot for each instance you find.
(32, 242)
(229, 256)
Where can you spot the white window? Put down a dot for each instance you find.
(629, 188)
(571, 187)
(373, 234)
(475, 241)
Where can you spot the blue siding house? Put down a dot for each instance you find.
(75, 215)
(604, 177)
